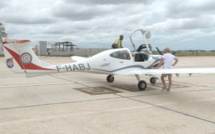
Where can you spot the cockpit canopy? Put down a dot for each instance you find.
(121, 54)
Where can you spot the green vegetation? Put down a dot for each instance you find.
(195, 53)
(192, 53)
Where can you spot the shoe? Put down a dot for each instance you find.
(168, 90)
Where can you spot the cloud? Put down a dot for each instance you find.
(19, 13)
(82, 12)
(189, 8)
(106, 2)
(173, 25)
(185, 15)
(4, 4)
(96, 22)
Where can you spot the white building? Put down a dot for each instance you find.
(2, 36)
(63, 48)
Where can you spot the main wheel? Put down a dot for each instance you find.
(110, 78)
(142, 85)
(153, 80)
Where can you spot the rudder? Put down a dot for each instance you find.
(21, 58)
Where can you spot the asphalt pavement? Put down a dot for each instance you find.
(84, 103)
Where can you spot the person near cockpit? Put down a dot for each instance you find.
(118, 42)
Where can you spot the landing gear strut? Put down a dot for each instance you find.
(141, 84)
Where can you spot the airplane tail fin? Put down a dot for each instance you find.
(21, 58)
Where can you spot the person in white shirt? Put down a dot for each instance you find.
(167, 59)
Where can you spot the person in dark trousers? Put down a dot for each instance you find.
(49, 52)
(118, 42)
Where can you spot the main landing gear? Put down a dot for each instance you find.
(142, 85)
(153, 80)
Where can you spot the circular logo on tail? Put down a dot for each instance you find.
(26, 58)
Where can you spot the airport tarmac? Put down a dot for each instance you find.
(83, 103)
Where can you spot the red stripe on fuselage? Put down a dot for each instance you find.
(30, 66)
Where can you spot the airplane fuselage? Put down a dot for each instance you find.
(109, 62)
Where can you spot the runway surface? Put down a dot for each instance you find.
(85, 103)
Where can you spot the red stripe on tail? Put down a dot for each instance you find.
(30, 66)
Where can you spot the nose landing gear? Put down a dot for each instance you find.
(142, 85)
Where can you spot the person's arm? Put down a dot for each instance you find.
(160, 63)
(176, 61)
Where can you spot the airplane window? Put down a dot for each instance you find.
(121, 55)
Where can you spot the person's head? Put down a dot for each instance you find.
(167, 50)
(121, 37)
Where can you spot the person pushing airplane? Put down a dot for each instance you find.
(167, 59)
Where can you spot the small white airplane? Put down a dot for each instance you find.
(21, 58)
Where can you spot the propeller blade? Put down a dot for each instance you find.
(173, 53)
(159, 51)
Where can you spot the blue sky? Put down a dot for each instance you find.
(178, 24)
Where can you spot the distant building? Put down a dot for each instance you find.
(55, 48)
(2, 36)
(63, 48)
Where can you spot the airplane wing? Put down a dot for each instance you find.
(78, 58)
(165, 71)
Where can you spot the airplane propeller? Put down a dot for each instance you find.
(159, 51)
